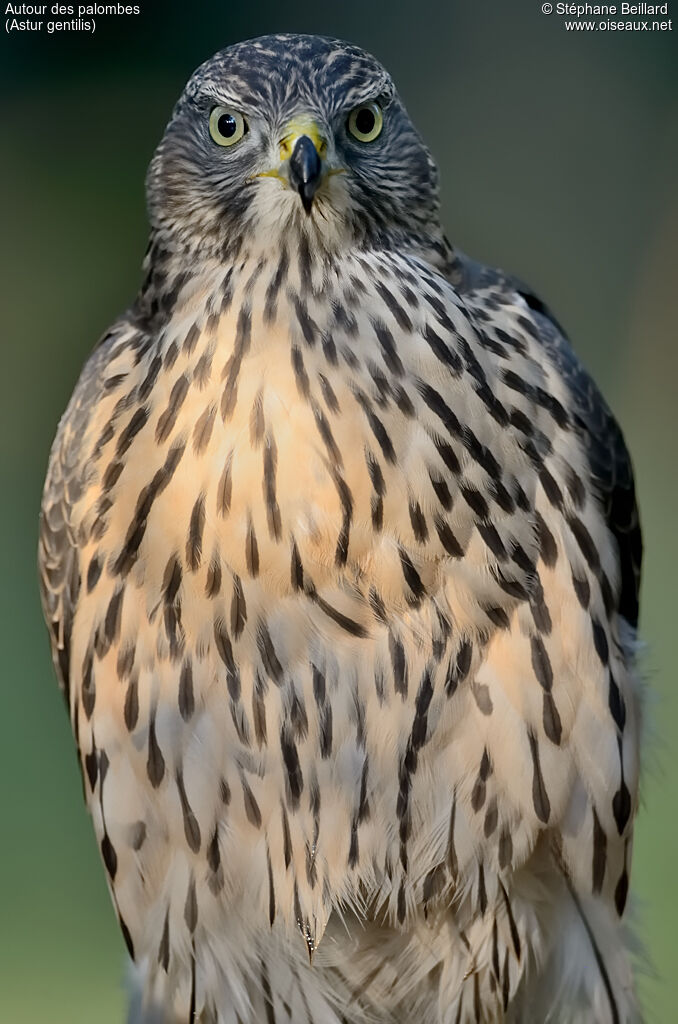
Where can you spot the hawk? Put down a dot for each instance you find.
(340, 561)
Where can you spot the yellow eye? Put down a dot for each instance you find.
(227, 126)
(365, 122)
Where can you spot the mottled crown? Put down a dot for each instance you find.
(205, 196)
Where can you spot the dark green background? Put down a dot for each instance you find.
(558, 154)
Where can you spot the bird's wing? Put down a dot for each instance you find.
(611, 471)
(58, 562)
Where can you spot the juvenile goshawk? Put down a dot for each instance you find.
(340, 560)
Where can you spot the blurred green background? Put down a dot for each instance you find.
(559, 157)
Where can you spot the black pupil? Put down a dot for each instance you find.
(227, 126)
(365, 120)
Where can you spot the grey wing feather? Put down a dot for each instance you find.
(611, 470)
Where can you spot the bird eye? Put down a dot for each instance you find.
(227, 126)
(365, 122)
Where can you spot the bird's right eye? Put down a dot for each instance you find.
(227, 126)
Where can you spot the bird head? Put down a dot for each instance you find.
(291, 133)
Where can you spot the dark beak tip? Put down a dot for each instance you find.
(305, 170)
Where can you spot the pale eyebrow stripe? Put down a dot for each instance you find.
(221, 100)
(384, 98)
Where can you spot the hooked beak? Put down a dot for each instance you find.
(305, 170)
(304, 147)
(303, 165)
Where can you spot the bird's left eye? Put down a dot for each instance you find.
(365, 122)
(227, 126)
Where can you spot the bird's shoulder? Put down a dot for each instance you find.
(490, 291)
(67, 474)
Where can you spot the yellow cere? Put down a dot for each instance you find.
(297, 127)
